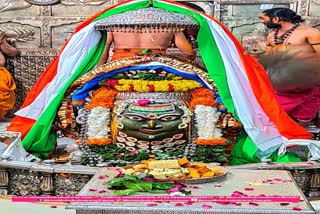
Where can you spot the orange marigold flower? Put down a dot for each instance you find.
(202, 92)
(211, 142)
(202, 96)
(202, 101)
(99, 141)
(102, 97)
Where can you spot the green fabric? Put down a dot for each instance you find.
(244, 150)
(288, 157)
(39, 141)
(208, 51)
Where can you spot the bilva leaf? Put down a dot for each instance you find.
(147, 186)
(163, 185)
(133, 185)
(125, 192)
(185, 192)
(141, 176)
(130, 178)
(116, 182)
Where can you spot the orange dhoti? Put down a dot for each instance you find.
(126, 53)
(7, 95)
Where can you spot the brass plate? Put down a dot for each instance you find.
(202, 180)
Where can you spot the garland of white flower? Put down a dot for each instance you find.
(206, 118)
(99, 123)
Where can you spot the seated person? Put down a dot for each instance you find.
(7, 84)
(126, 44)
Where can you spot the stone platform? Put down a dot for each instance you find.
(24, 178)
(249, 182)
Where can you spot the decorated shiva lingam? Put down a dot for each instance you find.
(152, 125)
(167, 110)
(128, 119)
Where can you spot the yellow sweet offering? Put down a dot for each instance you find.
(164, 164)
(173, 169)
(183, 161)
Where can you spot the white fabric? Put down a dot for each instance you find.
(72, 56)
(257, 124)
(313, 146)
(15, 150)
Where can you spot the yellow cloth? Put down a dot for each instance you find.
(7, 87)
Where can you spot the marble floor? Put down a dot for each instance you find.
(6, 206)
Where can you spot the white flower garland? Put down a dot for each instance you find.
(99, 123)
(206, 118)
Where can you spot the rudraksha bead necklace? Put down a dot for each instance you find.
(279, 40)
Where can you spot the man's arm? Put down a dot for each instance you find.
(183, 44)
(106, 50)
(314, 39)
(269, 44)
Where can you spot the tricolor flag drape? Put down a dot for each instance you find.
(242, 83)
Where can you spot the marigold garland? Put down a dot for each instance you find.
(156, 86)
(211, 142)
(202, 92)
(202, 96)
(99, 141)
(102, 97)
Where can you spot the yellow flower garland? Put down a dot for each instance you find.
(158, 86)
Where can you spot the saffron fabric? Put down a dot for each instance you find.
(242, 83)
(300, 104)
(7, 87)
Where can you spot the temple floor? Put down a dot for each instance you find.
(27, 208)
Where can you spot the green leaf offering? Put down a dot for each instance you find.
(133, 185)
(116, 182)
(142, 175)
(147, 186)
(162, 185)
(130, 178)
(185, 192)
(125, 192)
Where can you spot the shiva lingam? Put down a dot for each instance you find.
(152, 126)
